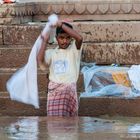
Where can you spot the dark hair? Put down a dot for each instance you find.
(59, 30)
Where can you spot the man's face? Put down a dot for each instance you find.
(63, 40)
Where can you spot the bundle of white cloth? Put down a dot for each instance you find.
(22, 86)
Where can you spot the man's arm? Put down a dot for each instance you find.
(72, 33)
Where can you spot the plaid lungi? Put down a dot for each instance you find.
(62, 100)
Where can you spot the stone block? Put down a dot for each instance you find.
(101, 53)
(21, 35)
(91, 32)
(108, 53)
(5, 21)
(88, 107)
(112, 106)
(13, 57)
(117, 31)
(93, 106)
(14, 108)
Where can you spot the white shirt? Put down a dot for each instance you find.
(63, 64)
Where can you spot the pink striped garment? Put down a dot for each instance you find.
(62, 100)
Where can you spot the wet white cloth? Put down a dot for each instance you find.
(134, 75)
(22, 86)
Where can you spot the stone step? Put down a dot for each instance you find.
(125, 53)
(15, 55)
(6, 94)
(101, 53)
(5, 74)
(113, 106)
(97, 31)
(110, 106)
(14, 108)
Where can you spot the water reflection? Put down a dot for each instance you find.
(24, 129)
(62, 128)
(93, 125)
(72, 128)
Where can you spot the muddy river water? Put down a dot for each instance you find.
(77, 128)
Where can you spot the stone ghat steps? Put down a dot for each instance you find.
(101, 53)
(5, 74)
(14, 108)
(104, 43)
(92, 31)
(112, 106)
(100, 106)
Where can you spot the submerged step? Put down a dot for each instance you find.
(113, 106)
(14, 108)
(92, 106)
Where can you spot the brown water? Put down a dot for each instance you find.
(78, 128)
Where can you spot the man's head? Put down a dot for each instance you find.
(62, 37)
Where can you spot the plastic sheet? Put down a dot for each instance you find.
(108, 81)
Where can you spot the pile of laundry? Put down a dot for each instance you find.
(111, 80)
